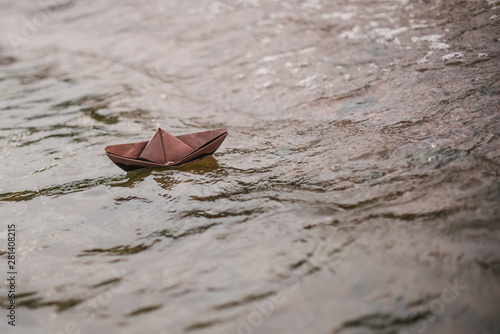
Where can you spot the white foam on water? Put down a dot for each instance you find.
(354, 33)
(308, 82)
(389, 33)
(268, 59)
(263, 71)
(435, 44)
(338, 15)
(453, 55)
(439, 46)
(427, 38)
(312, 4)
(425, 58)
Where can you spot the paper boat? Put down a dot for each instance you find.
(165, 150)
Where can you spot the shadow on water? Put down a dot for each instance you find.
(28, 300)
(118, 250)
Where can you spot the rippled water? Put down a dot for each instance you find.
(357, 192)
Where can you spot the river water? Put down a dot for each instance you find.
(358, 190)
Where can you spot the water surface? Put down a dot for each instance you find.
(360, 177)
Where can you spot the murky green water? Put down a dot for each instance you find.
(358, 190)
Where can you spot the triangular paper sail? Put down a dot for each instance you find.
(174, 148)
(164, 150)
(164, 147)
(154, 150)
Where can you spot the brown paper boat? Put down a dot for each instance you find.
(165, 150)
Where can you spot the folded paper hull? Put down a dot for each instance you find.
(165, 150)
